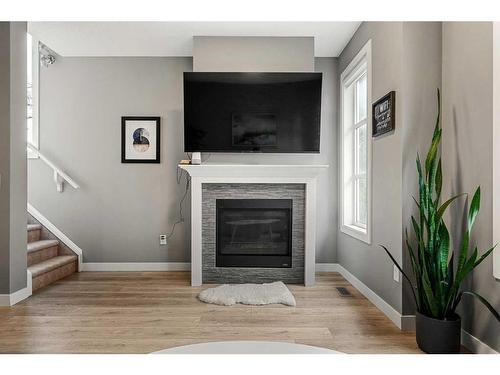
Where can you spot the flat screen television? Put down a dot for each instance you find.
(252, 112)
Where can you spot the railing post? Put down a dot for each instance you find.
(59, 182)
(59, 176)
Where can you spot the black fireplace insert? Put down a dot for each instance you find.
(254, 233)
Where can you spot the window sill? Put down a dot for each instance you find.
(357, 233)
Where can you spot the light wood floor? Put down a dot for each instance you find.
(142, 312)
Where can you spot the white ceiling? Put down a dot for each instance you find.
(176, 38)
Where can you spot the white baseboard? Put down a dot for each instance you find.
(13, 298)
(20, 295)
(374, 298)
(403, 322)
(56, 232)
(150, 266)
(327, 267)
(475, 345)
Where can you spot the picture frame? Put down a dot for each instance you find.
(384, 115)
(141, 139)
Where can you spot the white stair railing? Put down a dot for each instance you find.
(59, 176)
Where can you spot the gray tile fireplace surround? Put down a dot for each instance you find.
(213, 191)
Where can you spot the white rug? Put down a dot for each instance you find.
(247, 347)
(248, 294)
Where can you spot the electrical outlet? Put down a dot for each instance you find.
(396, 274)
(163, 239)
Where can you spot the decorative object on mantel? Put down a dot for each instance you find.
(140, 139)
(384, 114)
(437, 276)
(196, 158)
(248, 294)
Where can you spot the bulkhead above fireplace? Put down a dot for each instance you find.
(254, 233)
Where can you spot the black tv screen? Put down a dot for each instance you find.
(252, 112)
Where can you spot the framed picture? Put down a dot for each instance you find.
(384, 114)
(140, 139)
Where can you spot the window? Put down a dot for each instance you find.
(355, 146)
(32, 66)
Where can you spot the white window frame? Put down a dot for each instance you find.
(361, 62)
(35, 141)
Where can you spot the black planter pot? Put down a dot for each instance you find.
(437, 336)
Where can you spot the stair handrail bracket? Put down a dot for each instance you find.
(60, 177)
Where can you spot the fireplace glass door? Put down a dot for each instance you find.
(254, 233)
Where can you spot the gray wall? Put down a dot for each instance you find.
(406, 57)
(253, 54)
(121, 209)
(4, 156)
(468, 155)
(368, 262)
(421, 78)
(12, 156)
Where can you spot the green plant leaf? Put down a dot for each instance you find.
(462, 255)
(484, 256)
(439, 181)
(401, 270)
(431, 301)
(415, 267)
(449, 276)
(422, 192)
(438, 117)
(441, 210)
(444, 248)
(433, 165)
(431, 155)
(413, 258)
(485, 303)
(418, 231)
(415, 200)
(469, 265)
(474, 208)
(416, 227)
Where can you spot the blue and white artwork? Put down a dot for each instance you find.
(140, 139)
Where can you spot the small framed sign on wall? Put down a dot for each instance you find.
(384, 114)
(140, 139)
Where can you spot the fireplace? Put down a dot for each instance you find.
(254, 233)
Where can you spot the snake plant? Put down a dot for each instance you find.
(438, 276)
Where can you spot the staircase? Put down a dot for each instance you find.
(47, 260)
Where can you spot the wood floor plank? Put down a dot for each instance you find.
(142, 312)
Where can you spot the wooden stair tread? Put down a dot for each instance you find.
(42, 244)
(34, 227)
(51, 264)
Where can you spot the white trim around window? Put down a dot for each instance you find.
(355, 145)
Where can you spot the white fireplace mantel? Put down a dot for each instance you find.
(247, 174)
